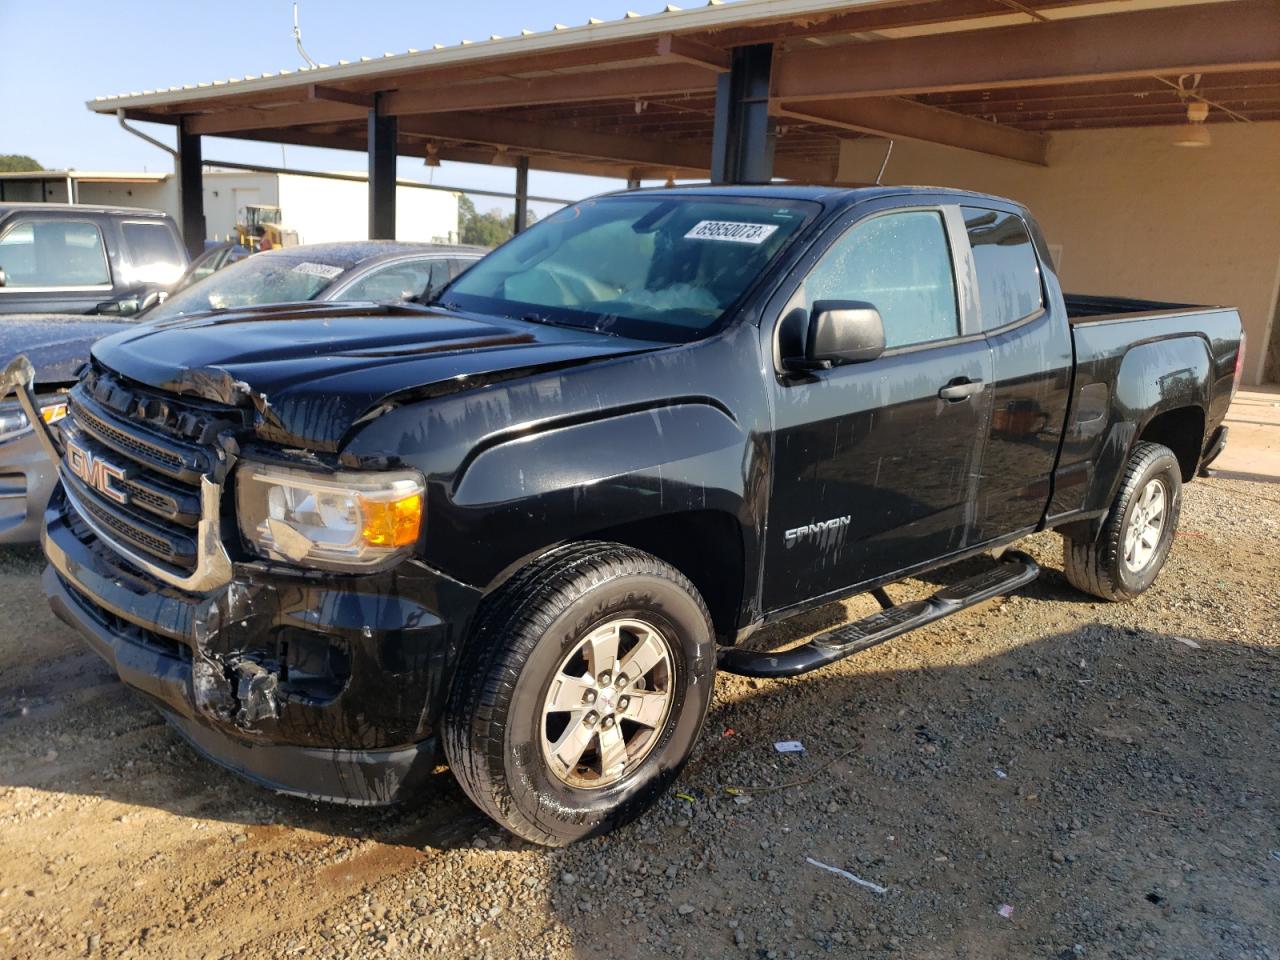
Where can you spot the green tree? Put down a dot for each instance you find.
(17, 163)
(466, 210)
(485, 229)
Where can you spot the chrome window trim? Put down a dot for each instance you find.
(96, 288)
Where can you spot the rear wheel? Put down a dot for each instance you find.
(582, 692)
(1134, 543)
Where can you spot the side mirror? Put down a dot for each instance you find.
(125, 306)
(841, 331)
(4, 277)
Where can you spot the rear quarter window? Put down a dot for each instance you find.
(1009, 286)
(153, 251)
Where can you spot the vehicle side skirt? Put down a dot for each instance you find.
(775, 616)
(1015, 569)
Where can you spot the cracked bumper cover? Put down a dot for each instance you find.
(238, 674)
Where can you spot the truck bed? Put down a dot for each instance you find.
(1084, 307)
(1136, 359)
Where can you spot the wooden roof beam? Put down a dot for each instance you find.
(686, 50)
(892, 117)
(621, 83)
(414, 147)
(1212, 84)
(229, 123)
(318, 91)
(539, 161)
(859, 19)
(1228, 95)
(1188, 39)
(520, 135)
(807, 168)
(1143, 121)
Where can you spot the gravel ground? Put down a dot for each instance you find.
(1106, 775)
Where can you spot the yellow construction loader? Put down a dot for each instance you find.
(258, 227)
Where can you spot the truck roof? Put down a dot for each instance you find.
(349, 253)
(829, 195)
(74, 209)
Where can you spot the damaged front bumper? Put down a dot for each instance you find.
(320, 686)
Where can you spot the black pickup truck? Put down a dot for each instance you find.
(79, 258)
(527, 522)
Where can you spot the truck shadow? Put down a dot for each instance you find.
(146, 763)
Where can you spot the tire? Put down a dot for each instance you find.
(1109, 567)
(528, 655)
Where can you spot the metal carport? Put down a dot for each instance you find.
(748, 91)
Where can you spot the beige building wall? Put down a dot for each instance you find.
(152, 196)
(1133, 214)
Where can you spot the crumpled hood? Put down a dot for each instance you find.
(312, 370)
(56, 344)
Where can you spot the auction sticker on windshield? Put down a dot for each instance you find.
(731, 232)
(323, 270)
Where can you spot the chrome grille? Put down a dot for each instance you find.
(179, 550)
(147, 494)
(152, 454)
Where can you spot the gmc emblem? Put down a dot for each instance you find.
(95, 471)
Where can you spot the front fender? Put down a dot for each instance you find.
(676, 444)
(525, 493)
(517, 467)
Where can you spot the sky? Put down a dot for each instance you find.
(58, 54)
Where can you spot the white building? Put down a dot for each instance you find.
(318, 208)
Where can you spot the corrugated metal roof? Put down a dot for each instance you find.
(716, 14)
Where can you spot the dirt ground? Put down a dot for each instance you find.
(1107, 774)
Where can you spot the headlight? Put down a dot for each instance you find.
(347, 520)
(13, 422)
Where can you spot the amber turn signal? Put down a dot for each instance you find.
(391, 523)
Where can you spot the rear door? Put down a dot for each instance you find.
(1020, 312)
(874, 470)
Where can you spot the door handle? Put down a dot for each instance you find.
(962, 388)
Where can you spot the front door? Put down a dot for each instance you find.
(53, 265)
(875, 463)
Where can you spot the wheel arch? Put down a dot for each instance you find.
(1181, 429)
(1161, 389)
(707, 546)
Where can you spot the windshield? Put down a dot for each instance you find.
(658, 267)
(262, 279)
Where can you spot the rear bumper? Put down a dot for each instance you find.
(27, 478)
(326, 688)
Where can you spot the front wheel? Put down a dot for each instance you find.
(1134, 543)
(583, 689)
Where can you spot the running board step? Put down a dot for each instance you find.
(1013, 570)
